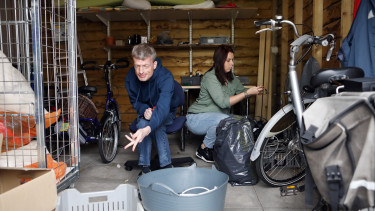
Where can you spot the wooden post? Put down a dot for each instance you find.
(263, 72)
(284, 53)
(298, 14)
(268, 76)
(298, 19)
(263, 102)
(318, 28)
(346, 17)
(260, 80)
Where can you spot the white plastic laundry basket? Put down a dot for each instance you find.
(123, 198)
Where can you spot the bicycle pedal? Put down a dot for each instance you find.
(289, 190)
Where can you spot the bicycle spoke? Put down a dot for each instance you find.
(283, 170)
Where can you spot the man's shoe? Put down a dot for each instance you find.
(205, 154)
(146, 169)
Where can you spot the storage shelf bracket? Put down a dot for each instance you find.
(234, 16)
(107, 23)
(233, 20)
(190, 42)
(146, 19)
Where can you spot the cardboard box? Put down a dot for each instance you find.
(27, 189)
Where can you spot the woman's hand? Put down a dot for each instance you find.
(258, 90)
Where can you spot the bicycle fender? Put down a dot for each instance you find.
(265, 132)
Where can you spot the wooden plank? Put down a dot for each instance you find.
(298, 19)
(318, 28)
(169, 14)
(284, 48)
(298, 14)
(346, 17)
(92, 42)
(267, 99)
(261, 68)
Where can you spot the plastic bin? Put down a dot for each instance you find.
(184, 189)
(124, 197)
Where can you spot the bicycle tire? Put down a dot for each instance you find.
(108, 140)
(282, 161)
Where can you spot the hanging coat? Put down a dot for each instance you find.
(358, 48)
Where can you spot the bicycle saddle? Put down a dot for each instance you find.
(87, 90)
(335, 74)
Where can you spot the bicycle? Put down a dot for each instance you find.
(106, 131)
(278, 153)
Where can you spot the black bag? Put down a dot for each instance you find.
(232, 149)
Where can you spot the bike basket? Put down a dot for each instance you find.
(86, 108)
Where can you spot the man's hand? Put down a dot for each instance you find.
(137, 137)
(148, 113)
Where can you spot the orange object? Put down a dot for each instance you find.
(109, 41)
(18, 130)
(58, 167)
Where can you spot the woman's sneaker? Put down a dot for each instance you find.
(205, 154)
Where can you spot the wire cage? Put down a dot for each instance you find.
(37, 74)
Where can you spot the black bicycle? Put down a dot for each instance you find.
(106, 131)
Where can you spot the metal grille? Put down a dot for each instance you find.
(37, 74)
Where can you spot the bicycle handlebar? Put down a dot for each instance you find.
(324, 41)
(121, 61)
(278, 21)
(261, 23)
(92, 65)
(276, 25)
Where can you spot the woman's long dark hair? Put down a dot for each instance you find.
(220, 56)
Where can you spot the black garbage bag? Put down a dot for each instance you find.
(232, 149)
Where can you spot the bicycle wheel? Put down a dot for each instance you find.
(108, 139)
(282, 161)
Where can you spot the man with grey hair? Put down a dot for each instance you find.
(150, 87)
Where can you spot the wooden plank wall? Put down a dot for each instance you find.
(330, 16)
(91, 38)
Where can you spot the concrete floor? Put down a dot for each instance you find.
(96, 176)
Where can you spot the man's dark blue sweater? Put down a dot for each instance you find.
(157, 92)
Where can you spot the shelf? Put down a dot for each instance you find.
(169, 14)
(169, 46)
(106, 17)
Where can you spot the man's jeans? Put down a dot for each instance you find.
(205, 124)
(160, 137)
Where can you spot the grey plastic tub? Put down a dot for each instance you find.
(183, 188)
